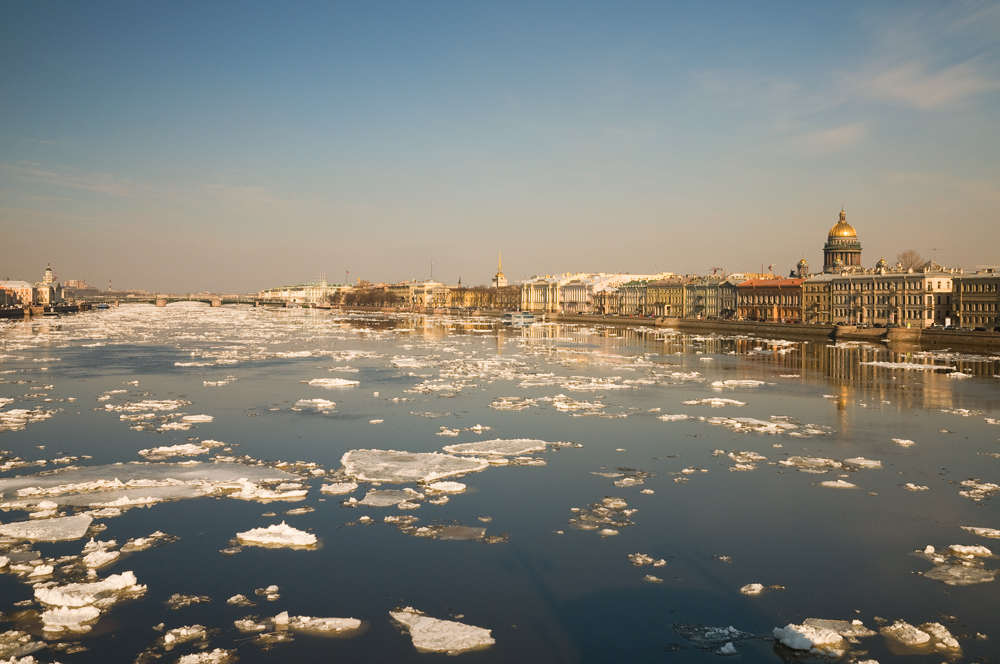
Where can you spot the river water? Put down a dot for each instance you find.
(821, 472)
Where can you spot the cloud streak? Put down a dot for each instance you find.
(103, 183)
(917, 84)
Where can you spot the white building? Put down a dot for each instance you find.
(574, 293)
(312, 294)
(21, 292)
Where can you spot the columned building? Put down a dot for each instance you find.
(770, 300)
(842, 250)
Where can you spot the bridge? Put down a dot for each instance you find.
(162, 300)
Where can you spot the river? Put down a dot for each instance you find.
(608, 493)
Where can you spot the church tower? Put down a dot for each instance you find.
(499, 280)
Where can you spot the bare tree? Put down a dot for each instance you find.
(909, 258)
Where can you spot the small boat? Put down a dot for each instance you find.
(517, 318)
(102, 305)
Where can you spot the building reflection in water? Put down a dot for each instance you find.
(903, 376)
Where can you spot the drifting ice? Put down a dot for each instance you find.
(395, 466)
(434, 635)
(276, 536)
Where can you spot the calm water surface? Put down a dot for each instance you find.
(549, 591)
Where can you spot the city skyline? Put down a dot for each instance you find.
(236, 147)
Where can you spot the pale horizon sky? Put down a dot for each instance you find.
(235, 146)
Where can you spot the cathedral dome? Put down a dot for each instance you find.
(842, 228)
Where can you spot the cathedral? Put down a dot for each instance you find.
(842, 250)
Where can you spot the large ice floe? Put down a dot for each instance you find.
(401, 467)
(74, 607)
(142, 483)
(445, 636)
(959, 565)
(278, 536)
(58, 529)
(504, 447)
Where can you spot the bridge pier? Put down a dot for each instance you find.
(216, 302)
(161, 302)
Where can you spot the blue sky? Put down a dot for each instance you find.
(233, 146)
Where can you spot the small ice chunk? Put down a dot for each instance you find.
(390, 497)
(315, 404)
(333, 382)
(217, 656)
(435, 635)
(728, 649)
(838, 484)
(714, 402)
(278, 535)
(339, 488)
(862, 462)
(903, 442)
(752, 589)
(905, 633)
(446, 487)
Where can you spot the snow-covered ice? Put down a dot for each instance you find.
(436, 635)
(277, 535)
(400, 467)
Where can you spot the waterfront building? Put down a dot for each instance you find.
(702, 298)
(310, 294)
(608, 301)
(632, 298)
(918, 297)
(22, 293)
(817, 298)
(977, 299)
(842, 250)
(728, 297)
(430, 295)
(772, 300)
(667, 297)
(575, 292)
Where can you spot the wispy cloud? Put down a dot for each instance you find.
(919, 84)
(824, 141)
(935, 56)
(247, 198)
(105, 183)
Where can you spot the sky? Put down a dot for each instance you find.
(234, 146)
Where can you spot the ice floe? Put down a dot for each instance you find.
(400, 467)
(278, 535)
(816, 640)
(504, 447)
(58, 529)
(714, 402)
(959, 565)
(927, 637)
(333, 382)
(436, 635)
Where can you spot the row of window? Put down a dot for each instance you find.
(977, 306)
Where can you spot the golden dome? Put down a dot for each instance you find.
(842, 228)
